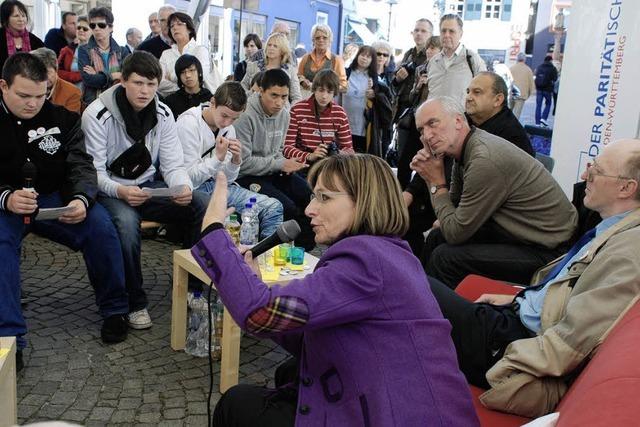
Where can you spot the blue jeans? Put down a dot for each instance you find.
(161, 209)
(540, 95)
(269, 209)
(96, 237)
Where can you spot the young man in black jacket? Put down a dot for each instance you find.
(43, 164)
(192, 92)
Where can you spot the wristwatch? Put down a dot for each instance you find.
(434, 188)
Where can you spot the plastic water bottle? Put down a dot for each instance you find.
(198, 338)
(233, 228)
(256, 218)
(247, 232)
(217, 312)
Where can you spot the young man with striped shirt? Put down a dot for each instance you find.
(318, 127)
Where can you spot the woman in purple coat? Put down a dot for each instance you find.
(372, 345)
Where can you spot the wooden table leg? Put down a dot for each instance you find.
(179, 307)
(8, 388)
(230, 359)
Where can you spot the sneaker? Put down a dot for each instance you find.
(543, 123)
(139, 319)
(19, 360)
(114, 329)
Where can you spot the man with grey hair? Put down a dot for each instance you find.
(59, 92)
(134, 37)
(450, 71)
(527, 348)
(523, 80)
(154, 26)
(504, 215)
(157, 45)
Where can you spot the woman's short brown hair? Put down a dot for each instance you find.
(380, 208)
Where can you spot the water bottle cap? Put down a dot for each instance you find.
(233, 217)
(197, 294)
(253, 200)
(248, 206)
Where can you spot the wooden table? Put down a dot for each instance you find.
(183, 263)
(8, 390)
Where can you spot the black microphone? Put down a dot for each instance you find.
(285, 233)
(29, 173)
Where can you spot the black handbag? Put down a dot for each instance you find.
(407, 119)
(132, 163)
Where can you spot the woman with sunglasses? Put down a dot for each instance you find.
(14, 34)
(371, 344)
(367, 103)
(320, 58)
(100, 60)
(68, 60)
(182, 33)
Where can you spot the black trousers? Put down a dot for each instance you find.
(294, 193)
(480, 332)
(408, 145)
(490, 252)
(249, 405)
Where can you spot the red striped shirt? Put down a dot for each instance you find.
(305, 127)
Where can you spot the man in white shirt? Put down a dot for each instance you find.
(210, 145)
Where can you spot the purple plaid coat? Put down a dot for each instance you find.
(373, 345)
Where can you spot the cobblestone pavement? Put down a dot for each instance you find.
(71, 375)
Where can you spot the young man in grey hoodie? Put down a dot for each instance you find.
(133, 140)
(261, 130)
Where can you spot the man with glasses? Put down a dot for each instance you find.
(504, 216)
(527, 348)
(157, 45)
(417, 55)
(450, 71)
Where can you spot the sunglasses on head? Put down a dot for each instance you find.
(386, 55)
(101, 25)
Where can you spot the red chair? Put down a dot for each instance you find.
(607, 391)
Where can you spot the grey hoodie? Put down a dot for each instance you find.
(262, 139)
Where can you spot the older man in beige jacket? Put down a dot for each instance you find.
(526, 349)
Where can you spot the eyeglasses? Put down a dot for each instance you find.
(325, 196)
(81, 28)
(177, 23)
(386, 55)
(101, 25)
(591, 172)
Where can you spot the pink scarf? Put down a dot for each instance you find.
(11, 44)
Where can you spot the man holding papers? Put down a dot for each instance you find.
(44, 165)
(133, 140)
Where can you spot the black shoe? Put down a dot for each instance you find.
(19, 360)
(114, 329)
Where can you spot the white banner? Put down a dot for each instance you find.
(598, 101)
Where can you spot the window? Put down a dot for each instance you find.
(492, 9)
(251, 23)
(457, 6)
(294, 31)
(322, 18)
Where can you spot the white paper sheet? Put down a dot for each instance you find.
(52, 213)
(164, 192)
